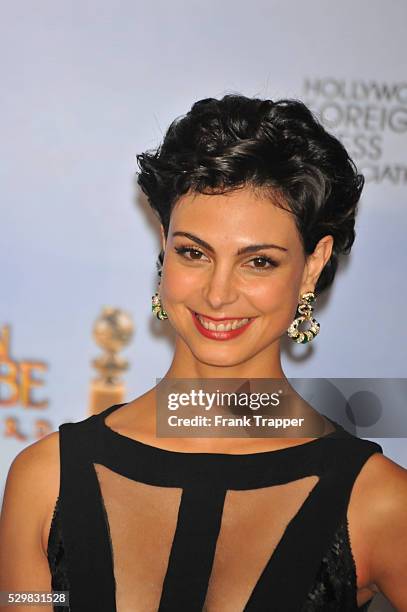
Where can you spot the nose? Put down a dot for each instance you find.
(220, 288)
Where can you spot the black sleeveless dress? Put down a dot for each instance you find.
(137, 528)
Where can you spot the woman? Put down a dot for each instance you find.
(256, 203)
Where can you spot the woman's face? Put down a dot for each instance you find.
(206, 272)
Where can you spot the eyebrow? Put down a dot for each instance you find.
(252, 248)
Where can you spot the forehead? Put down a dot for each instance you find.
(237, 216)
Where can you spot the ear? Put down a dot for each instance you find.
(316, 262)
(163, 239)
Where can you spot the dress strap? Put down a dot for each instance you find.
(104, 413)
(83, 520)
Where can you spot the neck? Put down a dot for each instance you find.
(265, 364)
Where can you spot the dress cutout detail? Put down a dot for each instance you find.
(138, 528)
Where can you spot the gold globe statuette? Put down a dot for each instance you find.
(112, 331)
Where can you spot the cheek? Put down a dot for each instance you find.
(278, 294)
(178, 285)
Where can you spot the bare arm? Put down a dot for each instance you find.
(31, 489)
(387, 520)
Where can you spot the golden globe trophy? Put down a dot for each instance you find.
(112, 331)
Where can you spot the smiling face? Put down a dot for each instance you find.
(214, 266)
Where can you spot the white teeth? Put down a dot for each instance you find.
(222, 326)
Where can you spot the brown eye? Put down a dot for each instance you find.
(267, 262)
(195, 253)
(262, 261)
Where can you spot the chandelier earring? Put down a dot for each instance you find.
(156, 306)
(305, 314)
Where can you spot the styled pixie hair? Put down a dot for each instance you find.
(278, 148)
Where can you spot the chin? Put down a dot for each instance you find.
(213, 358)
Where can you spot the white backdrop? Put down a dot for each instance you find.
(86, 85)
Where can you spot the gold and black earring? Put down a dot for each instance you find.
(305, 314)
(157, 308)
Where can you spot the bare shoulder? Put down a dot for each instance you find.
(32, 486)
(380, 489)
(36, 467)
(384, 479)
(33, 478)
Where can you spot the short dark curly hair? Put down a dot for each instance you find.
(277, 147)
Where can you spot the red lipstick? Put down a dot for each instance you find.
(220, 335)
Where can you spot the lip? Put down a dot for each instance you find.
(219, 335)
(218, 318)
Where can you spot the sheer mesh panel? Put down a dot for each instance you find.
(245, 544)
(142, 519)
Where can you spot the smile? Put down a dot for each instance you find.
(224, 330)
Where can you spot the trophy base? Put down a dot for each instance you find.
(103, 395)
